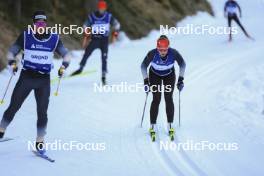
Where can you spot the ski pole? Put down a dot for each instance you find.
(179, 108)
(143, 114)
(58, 86)
(263, 109)
(7, 87)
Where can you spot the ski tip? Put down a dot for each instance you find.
(52, 160)
(44, 156)
(6, 139)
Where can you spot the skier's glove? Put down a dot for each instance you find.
(61, 71)
(12, 66)
(115, 34)
(146, 85)
(87, 32)
(180, 83)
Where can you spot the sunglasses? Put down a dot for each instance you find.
(40, 23)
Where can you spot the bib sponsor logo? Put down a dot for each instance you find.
(41, 47)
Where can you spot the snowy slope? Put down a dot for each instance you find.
(222, 102)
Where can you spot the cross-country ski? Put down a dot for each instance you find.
(43, 156)
(6, 139)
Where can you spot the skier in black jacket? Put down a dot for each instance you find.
(230, 11)
(38, 50)
(162, 72)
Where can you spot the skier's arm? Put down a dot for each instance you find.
(15, 49)
(145, 64)
(62, 51)
(115, 23)
(225, 8)
(87, 22)
(87, 26)
(239, 8)
(179, 59)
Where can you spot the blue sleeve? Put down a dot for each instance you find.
(239, 8)
(87, 22)
(179, 59)
(115, 23)
(61, 50)
(18, 45)
(146, 62)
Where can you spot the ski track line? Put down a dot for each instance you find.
(185, 158)
(165, 158)
(197, 75)
(171, 169)
(146, 143)
(188, 160)
(234, 63)
(219, 63)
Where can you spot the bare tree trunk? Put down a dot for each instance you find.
(90, 5)
(17, 8)
(55, 7)
(16, 5)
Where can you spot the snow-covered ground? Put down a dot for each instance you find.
(223, 102)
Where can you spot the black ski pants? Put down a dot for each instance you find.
(27, 82)
(102, 44)
(156, 82)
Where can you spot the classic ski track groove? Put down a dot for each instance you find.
(166, 159)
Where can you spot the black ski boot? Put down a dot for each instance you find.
(171, 132)
(40, 147)
(103, 81)
(77, 72)
(152, 133)
(2, 135)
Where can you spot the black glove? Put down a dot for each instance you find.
(13, 66)
(146, 85)
(180, 83)
(61, 71)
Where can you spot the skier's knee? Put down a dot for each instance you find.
(156, 100)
